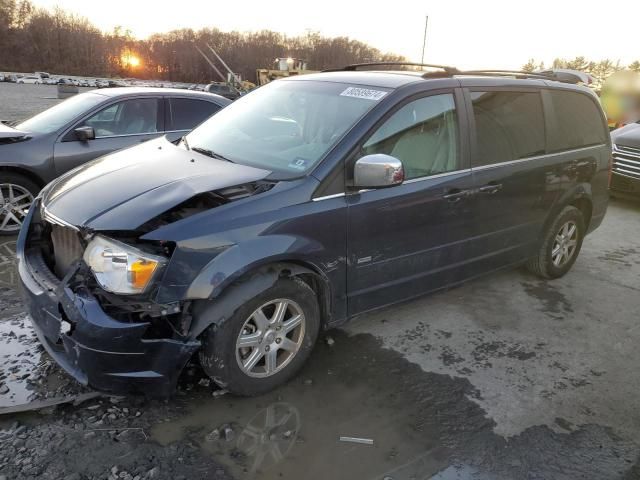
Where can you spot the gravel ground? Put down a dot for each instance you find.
(20, 101)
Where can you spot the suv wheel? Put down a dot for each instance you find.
(561, 245)
(265, 342)
(17, 193)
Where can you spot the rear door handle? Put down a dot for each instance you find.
(455, 195)
(490, 188)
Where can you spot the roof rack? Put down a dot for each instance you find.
(508, 73)
(566, 76)
(356, 66)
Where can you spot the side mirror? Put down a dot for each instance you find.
(378, 171)
(85, 133)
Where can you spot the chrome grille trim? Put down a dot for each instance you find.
(626, 161)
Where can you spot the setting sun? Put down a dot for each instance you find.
(130, 60)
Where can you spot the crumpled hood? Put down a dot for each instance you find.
(628, 136)
(124, 190)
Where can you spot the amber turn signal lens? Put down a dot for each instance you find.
(141, 272)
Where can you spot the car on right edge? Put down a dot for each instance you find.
(625, 174)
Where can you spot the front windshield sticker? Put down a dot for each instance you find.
(366, 93)
(298, 164)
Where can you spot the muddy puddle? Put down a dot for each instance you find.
(421, 426)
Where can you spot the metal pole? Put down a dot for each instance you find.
(211, 64)
(424, 42)
(233, 75)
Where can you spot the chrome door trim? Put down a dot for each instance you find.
(537, 157)
(437, 175)
(129, 135)
(327, 197)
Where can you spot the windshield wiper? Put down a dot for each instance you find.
(210, 153)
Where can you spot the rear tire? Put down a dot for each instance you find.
(560, 246)
(280, 348)
(23, 191)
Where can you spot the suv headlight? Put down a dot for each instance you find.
(121, 268)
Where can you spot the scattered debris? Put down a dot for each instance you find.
(213, 436)
(219, 393)
(363, 441)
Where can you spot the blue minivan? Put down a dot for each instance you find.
(307, 202)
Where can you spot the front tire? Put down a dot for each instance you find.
(17, 193)
(265, 342)
(561, 245)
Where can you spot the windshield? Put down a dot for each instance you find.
(285, 126)
(61, 114)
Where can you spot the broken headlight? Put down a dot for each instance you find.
(121, 268)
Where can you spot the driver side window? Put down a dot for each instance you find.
(128, 117)
(423, 135)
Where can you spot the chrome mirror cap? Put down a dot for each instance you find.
(378, 171)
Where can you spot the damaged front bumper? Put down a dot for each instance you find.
(96, 349)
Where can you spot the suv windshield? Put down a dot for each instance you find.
(285, 126)
(61, 114)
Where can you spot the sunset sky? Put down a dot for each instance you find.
(467, 34)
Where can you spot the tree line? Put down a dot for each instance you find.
(600, 70)
(57, 41)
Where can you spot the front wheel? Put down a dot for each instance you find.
(265, 342)
(561, 245)
(17, 193)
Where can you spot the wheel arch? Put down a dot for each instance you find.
(579, 197)
(585, 205)
(25, 172)
(221, 306)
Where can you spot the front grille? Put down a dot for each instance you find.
(626, 161)
(66, 248)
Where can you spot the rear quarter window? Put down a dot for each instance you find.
(187, 113)
(578, 121)
(509, 126)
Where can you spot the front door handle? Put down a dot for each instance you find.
(490, 188)
(455, 195)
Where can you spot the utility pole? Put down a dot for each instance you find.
(424, 42)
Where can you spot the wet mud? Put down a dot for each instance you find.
(423, 425)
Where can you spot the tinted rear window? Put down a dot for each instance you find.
(509, 126)
(578, 121)
(187, 113)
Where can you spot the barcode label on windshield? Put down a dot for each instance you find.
(366, 93)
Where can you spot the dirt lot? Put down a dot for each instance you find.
(19, 101)
(507, 377)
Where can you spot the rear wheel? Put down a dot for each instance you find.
(17, 193)
(561, 245)
(265, 342)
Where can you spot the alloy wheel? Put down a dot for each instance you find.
(270, 338)
(15, 201)
(565, 244)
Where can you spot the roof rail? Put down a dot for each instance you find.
(569, 76)
(356, 66)
(508, 73)
(565, 76)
